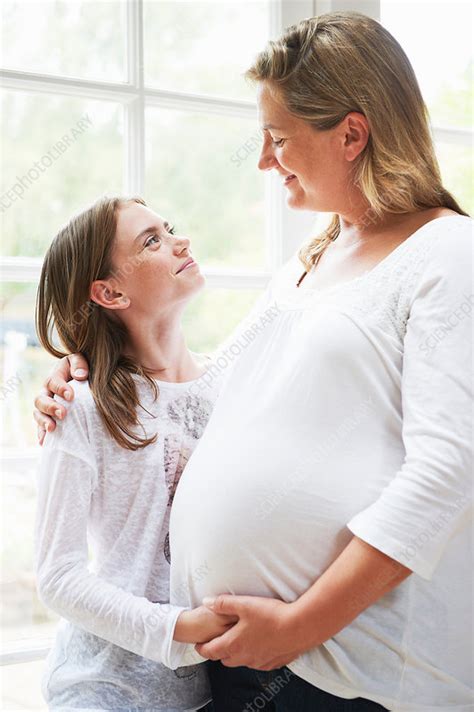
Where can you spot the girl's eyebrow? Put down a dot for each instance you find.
(144, 232)
(152, 228)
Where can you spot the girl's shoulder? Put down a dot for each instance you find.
(83, 400)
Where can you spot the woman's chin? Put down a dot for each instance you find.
(296, 201)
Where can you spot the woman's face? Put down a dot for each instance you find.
(314, 165)
(154, 272)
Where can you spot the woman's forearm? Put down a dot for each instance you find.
(355, 580)
(270, 633)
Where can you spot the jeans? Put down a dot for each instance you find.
(244, 690)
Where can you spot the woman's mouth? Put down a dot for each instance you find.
(288, 179)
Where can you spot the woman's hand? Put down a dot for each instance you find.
(201, 625)
(46, 408)
(271, 633)
(265, 637)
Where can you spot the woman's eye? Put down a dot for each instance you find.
(152, 238)
(278, 142)
(171, 229)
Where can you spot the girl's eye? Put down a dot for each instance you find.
(171, 229)
(152, 237)
(278, 142)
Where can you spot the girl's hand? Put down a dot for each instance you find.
(47, 409)
(201, 625)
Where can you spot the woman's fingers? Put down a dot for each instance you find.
(47, 406)
(79, 368)
(45, 424)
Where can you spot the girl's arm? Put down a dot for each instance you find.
(65, 584)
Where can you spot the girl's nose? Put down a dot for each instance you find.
(181, 244)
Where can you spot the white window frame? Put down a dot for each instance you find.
(284, 229)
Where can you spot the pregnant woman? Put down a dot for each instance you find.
(334, 476)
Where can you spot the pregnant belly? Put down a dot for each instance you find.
(250, 522)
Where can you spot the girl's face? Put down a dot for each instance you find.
(154, 273)
(314, 165)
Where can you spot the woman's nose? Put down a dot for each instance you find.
(267, 160)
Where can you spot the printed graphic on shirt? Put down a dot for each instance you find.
(191, 413)
(175, 458)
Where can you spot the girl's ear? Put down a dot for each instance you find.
(103, 294)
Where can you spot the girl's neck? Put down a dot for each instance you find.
(162, 350)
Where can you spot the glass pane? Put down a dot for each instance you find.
(201, 174)
(203, 47)
(23, 616)
(67, 38)
(443, 60)
(24, 366)
(457, 172)
(16, 695)
(211, 318)
(59, 154)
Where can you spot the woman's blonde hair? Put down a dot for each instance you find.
(80, 254)
(326, 66)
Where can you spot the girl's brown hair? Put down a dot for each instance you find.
(326, 66)
(80, 254)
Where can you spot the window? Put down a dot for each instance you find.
(443, 63)
(135, 96)
(146, 97)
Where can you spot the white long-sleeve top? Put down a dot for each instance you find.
(349, 412)
(114, 646)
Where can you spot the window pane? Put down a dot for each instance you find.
(23, 616)
(24, 366)
(59, 154)
(442, 58)
(211, 318)
(201, 174)
(16, 695)
(457, 172)
(62, 37)
(203, 47)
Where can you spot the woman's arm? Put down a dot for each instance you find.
(271, 633)
(428, 500)
(47, 410)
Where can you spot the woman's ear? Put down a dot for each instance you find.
(356, 134)
(102, 293)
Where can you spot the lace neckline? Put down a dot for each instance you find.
(377, 267)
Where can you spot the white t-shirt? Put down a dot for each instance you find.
(350, 412)
(114, 647)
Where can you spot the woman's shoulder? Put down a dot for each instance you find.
(449, 240)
